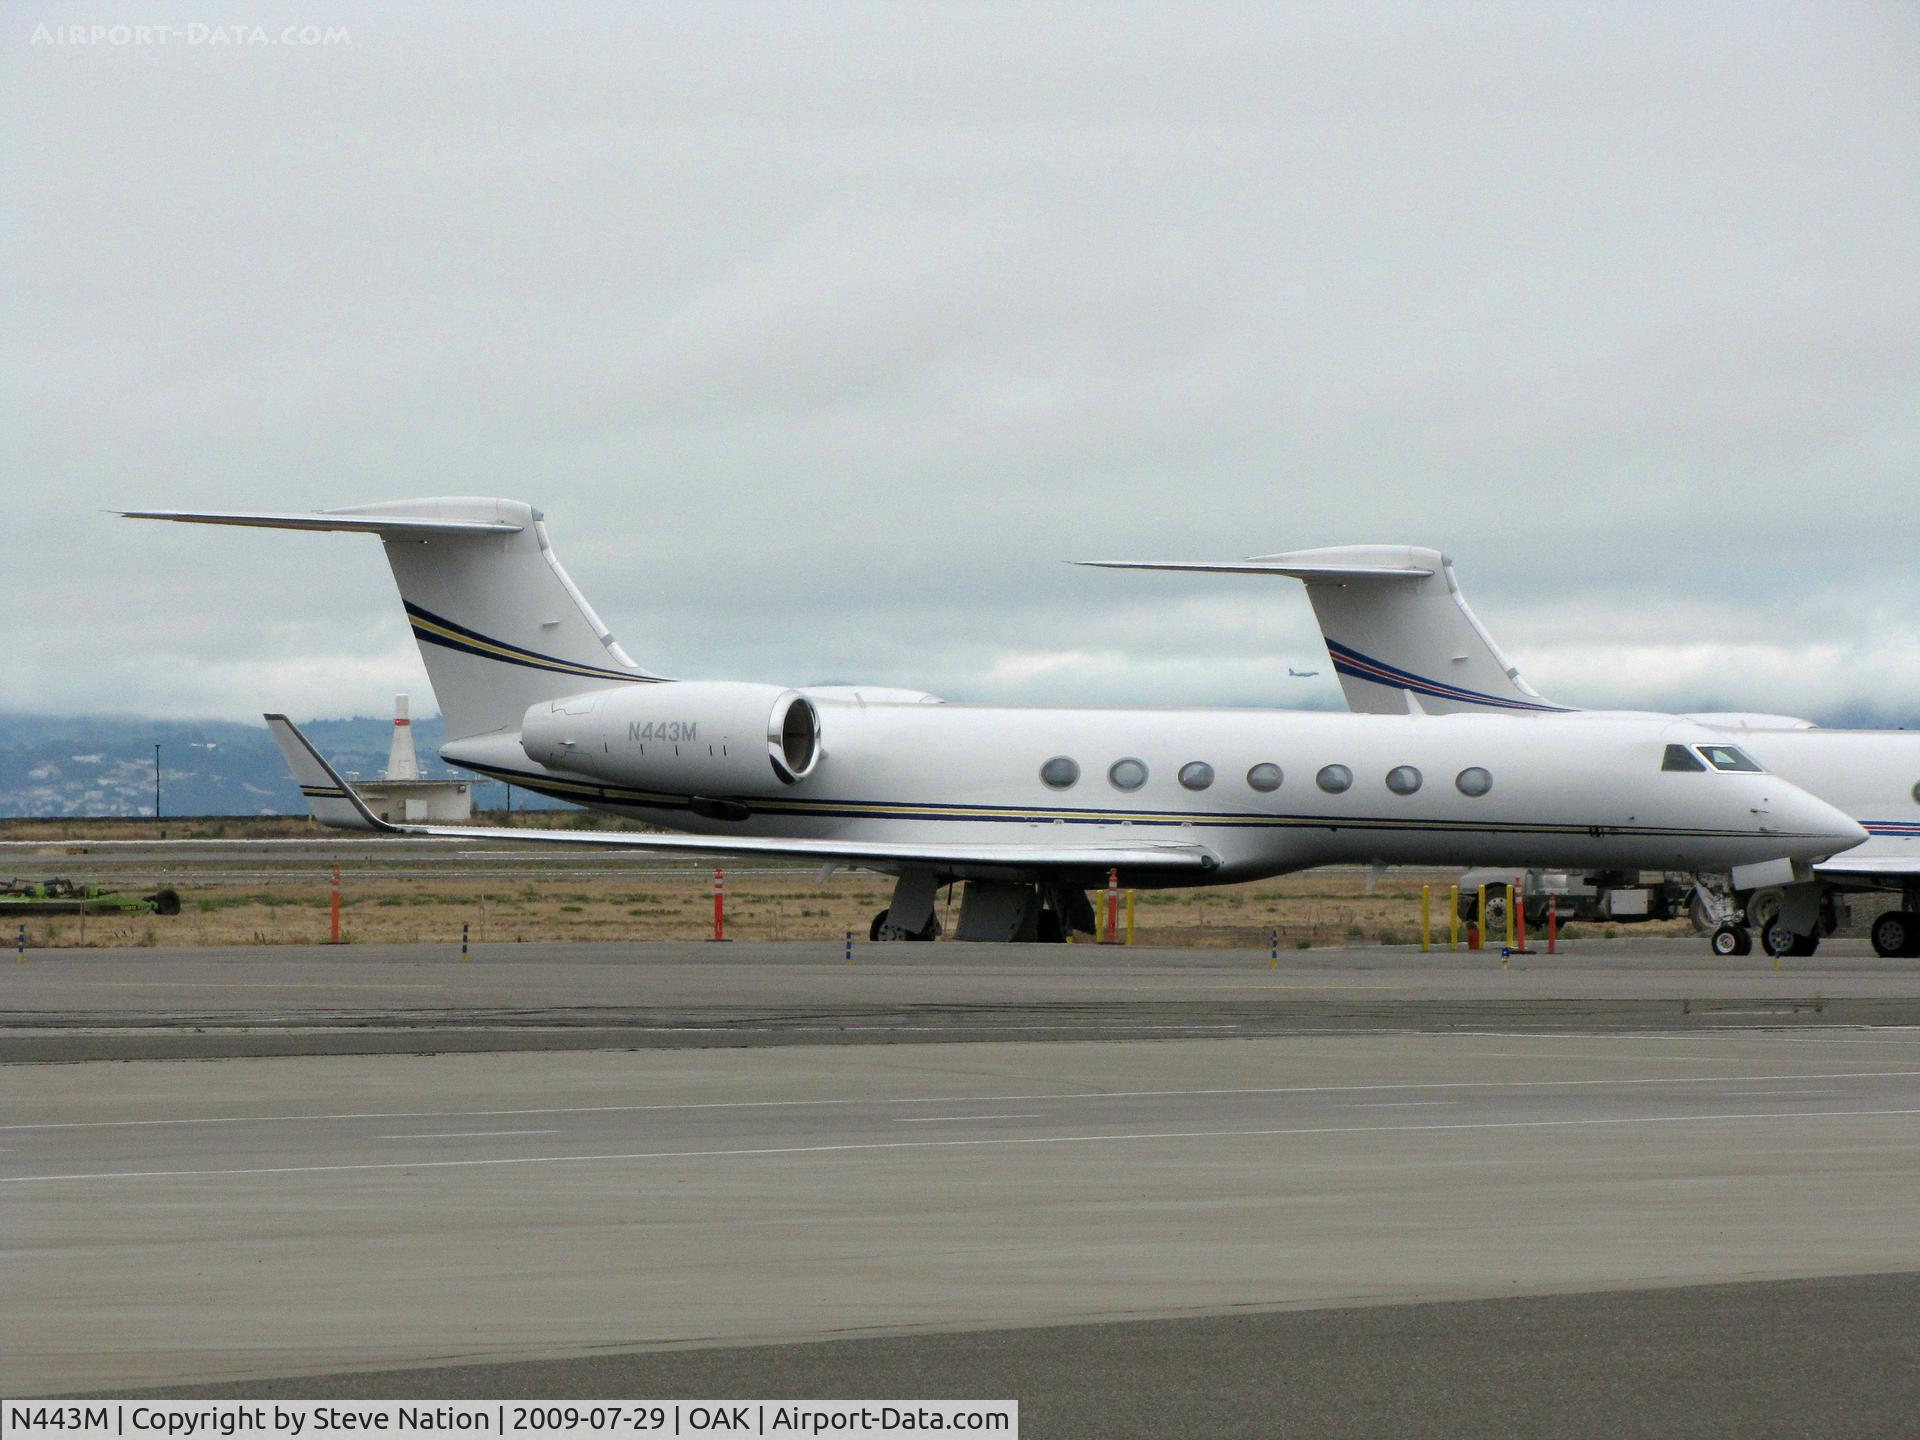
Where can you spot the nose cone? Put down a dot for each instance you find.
(1810, 828)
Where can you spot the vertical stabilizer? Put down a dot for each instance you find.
(500, 625)
(1405, 640)
(1401, 636)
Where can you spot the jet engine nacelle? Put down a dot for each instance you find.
(682, 737)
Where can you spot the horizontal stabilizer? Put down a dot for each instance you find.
(1285, 566)
(335, 802)
(329, 520)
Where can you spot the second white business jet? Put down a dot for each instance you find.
(1404, 640)
(1029, 806)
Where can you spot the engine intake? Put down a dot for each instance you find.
(680, 737)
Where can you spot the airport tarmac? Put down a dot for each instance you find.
(267, 1000)
(1397, 1213)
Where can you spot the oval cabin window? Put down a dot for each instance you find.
(1060, 773)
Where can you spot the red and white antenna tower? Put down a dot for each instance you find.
(402, 762)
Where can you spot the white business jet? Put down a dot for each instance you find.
(1404, 640)
(1028, 806)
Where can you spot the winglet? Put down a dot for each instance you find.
(331, 799)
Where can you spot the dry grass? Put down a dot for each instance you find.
(1314, 909)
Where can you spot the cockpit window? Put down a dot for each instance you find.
(1681, 758)
(1729, 757)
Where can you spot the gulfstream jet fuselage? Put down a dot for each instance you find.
(1030, 805)
(1404, 641)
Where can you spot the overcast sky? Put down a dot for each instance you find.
(825, 338)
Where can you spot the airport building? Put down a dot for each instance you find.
(403, 795)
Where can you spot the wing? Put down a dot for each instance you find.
(334, 802)
(1869, 867)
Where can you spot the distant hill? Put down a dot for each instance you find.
(85, 765)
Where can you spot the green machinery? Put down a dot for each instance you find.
(68, 897)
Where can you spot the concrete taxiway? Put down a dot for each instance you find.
(1625, 1190)
(245, 1219)
(134, 1004)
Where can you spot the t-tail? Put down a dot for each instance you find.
(1400, 634)
(501, 626)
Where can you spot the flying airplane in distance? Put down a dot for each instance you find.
(1404, 640)
(1028, 806)
(1293, 674)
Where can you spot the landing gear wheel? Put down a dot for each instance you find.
(1763, 912)
(1777, 939)
(1049, 929)
(1896, 934)
(1493, 925)
(1731, 940)
(881, 930)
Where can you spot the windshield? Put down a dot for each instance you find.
(1728, 757)
(1681, 758)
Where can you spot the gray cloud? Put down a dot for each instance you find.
(824, 338)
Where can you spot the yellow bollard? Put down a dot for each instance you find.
(1129, 917)
(1453, 917)
(1426, 918)
(1481, 917)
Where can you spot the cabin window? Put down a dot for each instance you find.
(1730, 757)
(1681, 758)
(1334, 779)
(1473, 781)
(1403, 780)
(1060, 773)
(1265, 777)
(1128, 774)
(1196, 775)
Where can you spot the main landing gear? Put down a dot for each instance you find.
(990, 910)
(1777, 939)
(883, 928)
(1896, 934)
(1730, 940)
